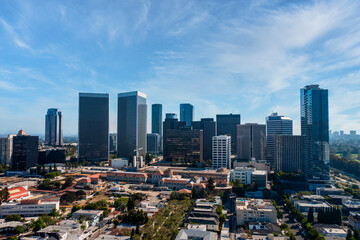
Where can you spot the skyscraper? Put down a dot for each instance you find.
(132, 118)
(221, 152)
(315, 129)
(209, 130)
(186, 113)
(251, 141)
(170, 115)
(276, 125)
(153, 143)
(53, 127)
(113, 141)
(25, 151)
(227, 125)
(6, 150)
(94, 126)
(288, 153)
(156, 119)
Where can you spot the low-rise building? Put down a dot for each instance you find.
(259, 177)
(119, 176)
(119, 162)
(305, 205)
(28, 208)
(18, 193)
(352, 205)
(93, 216)
(354, 220)
(9, 226)
(329, 191)
(250, 210)
(174, 183)
(195, 234)
(249, 175)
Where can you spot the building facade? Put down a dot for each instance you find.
(6, 150)
(54, 155)
(25, 151)
(93, 126)
(221, 152)
(251, 141)
(113, 142)
(276, 125)
(132, 123)
(186, 113)
(28, 208)
(156, 119)
(53, 127)
(226, 124)
(153, 143)
(288, 153)
(209, 131)
(315, 129)
(255, 210)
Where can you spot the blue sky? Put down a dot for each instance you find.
(247, 57)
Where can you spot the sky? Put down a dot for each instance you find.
(247, 57)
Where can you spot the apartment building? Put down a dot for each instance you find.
(250, 210)
(28, 208)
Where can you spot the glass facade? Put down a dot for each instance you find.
(132, 118)
(227, 125)
(209, 130)
(315, 129)
(25, 152)
(186, 113)
(93, 126)
(53, 127)
(156, 119)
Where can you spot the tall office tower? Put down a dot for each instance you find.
(156, 119)
(288, 153)
(171, 122)
(153, 143)
(276, 125)
(186, 113)
(227, 125)
(315, 129)
(113, 142)
(93, 126)
(221, 152)
(209, 130)
(25, 151)
(183, 145)
(53, 127)
(132, 117)
(6, 150)
(251, 141)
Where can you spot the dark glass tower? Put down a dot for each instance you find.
(186, 113)
(53, 127)
(227, 125)
(25, 151)
(156, 119)
(315, 129)
(93, 126)
(209, 130)
(132, 118)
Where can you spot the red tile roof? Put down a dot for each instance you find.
(18, 192)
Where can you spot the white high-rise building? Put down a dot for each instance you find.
(6, 149)
(221, 152)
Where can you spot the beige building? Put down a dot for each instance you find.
(252, 210)
(28, 208)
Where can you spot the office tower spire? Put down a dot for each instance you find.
(315, 129)
(53, 127)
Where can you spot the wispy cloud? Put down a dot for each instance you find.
(14, 36)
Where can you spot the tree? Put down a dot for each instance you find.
(349, 234)
(38, 224)
(219, 210)
(211, 185)
(132, 234)
(18, 229)
(137, 231)
(116, 222)
(194, 193)
(68, 182)
(75, 208)
(54, 213)
(356, 234)
(130, 204)
(80, 194)
(310, 217)
(55, 168)
(4, 195)
(10, 218)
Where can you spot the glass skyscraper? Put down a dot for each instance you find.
(94, 126)
(315, 129)
(276, 125)
(156, 119)
(186, 113)
(132, 118)
(227, 125)
(53, 127)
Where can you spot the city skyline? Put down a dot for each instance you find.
(49, 58)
